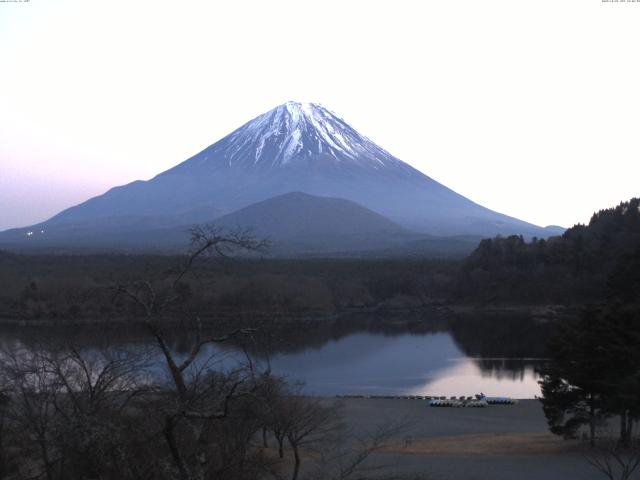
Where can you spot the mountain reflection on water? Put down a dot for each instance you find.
(454, 356)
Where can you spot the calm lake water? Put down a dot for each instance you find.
(496, 357)
(367, 363)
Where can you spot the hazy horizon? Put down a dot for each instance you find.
(495, 100)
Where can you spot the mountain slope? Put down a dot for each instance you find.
(294, 147)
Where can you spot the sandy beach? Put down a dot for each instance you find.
(498, 442)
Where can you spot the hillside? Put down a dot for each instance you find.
(296, 214)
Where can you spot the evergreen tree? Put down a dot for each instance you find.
(622, 382)
(594, 372)
(571, 382)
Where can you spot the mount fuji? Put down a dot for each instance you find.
(296, 147)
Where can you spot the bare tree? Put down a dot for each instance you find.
(346, 456)
(205, 240)
(271, 388)
(614, 459)
(199, 397)
(276, 414)
(308, 421)
(71, 405)
(31, 412)
(96, 388)
(4, 461)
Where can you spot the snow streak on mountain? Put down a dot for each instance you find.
(295, 130)
(293, 136)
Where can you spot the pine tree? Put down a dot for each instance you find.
(594, 372)
(571, 384)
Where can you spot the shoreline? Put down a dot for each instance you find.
(501, 442)
(437, 309)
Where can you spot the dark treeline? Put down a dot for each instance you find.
(571, 269)
(80, 288)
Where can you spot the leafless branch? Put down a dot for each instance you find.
(614, 460)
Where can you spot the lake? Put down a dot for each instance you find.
(366, 363)
(495, 356)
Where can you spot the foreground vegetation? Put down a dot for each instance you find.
(107, 415)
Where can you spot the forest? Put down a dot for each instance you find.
(576, 268)
(72, 289)
(572, 270)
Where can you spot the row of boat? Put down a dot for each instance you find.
(480, 401)
(458, 403)
(473, 402)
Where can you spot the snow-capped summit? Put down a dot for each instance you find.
(294, 133)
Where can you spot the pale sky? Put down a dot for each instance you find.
(528, 107)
